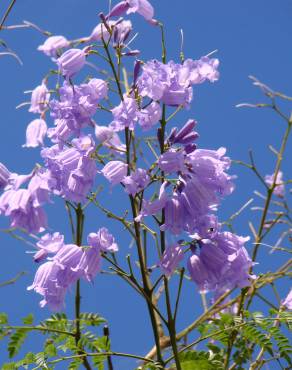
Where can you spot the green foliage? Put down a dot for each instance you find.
(199, 360)
(91, 319)
(3, 318)
(16, 341)
(28, 320)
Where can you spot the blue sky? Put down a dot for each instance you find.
(252, 38)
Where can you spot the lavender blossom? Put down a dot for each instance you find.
(126, 114)
(185, 135)
(76, 107)
(149, 116)
(136, 182)
(171, 258)
(71, 62)
(4, 176)
(100, 32)
(39, 99)
(73, 168)
(35, 133)
(103, 241)
(48, 243)
(52, 44)
(172, 161)
(223, 263)
(46, 284)
(114, 171)
(171, 83)
(109, 138)
(142, 7)
(18, 206)
(279, 188)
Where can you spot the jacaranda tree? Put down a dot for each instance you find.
(171, 190)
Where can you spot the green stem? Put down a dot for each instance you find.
(78, 241)
(7, 13)
(271, 190)
(118, 354)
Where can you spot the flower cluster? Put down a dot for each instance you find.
(192, 181)
(68, 264)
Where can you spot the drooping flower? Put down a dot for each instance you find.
(170, 259)
(109, 138)
(103, 241)
(223, 263)
(185, 136)
(121, 32)
(39, 99)
(4, 176)
(73, 168)
(279, 188)
(288, 301)
(75, 108)
(115, 171)
(125, 115)
(172, 161)
(35, 133)
(171, 83)
(136, 182)
(100, 32)
(142, 7)
(52, 44)
(149, 116)
(46, 284)
(71, 62)
(48, 243)
(19, 207)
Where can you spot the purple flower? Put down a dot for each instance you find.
(48, 243)
(208, 167)
(100, 32)
(288, 301)
(35, 133)
(185, 135)
(76, 107)
(71, 62)
(114, 171)
(279, 188)
(19, 206)
(90, 263)
(151, 208)
(39, 99)
(171, 83)
(46, 284)
(52, 44)
(121, 32)
(172, 161)
(73, 168)
(223, 263)
(171, 258)
(142, 7)
(119, 9)
(4, 176)
(103, 241)
(207, 227)
(109, 138)
(136, 182)
(198, 71)
(149, 116)
(125, 115)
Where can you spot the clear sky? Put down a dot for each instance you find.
(252, 38)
